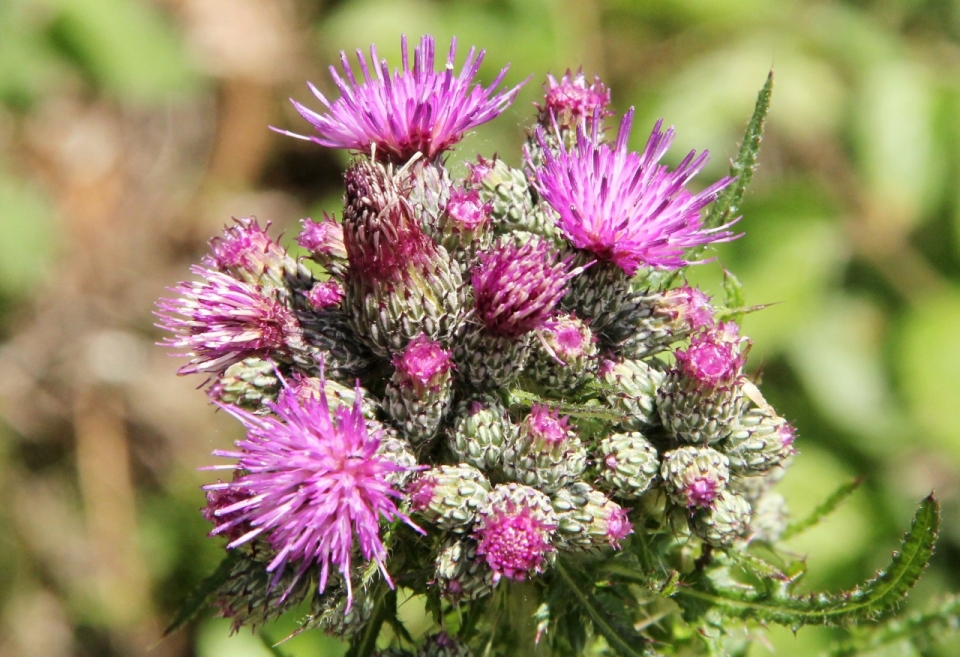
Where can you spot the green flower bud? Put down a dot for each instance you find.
(628, 464)
(448, 496)
(481, 432)
(695, 477)
(770, 517)
(588, 519)
(461, 574)
(759, 440)
(631, 388)
(545, 454)
(564, 357)
(723, 522)
(248, 384)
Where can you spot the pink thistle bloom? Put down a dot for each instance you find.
(514, 532)
(702, 492)
(223, 321)
(480, 170)
(624, 207)
(322, 237)
(517, 289)
(313, 484)
(572, 100)
(327, 294)
(424, 364)
(711, 360)
(618, 525)
(246, 247)
(544, 425)
(416, 110)
(787, 434)
(688, 305)
(466, 209)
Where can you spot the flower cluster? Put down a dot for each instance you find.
(496, 362)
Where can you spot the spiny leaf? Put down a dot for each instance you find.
(576, 410)
(624, 640)
(919, 628)
(825, 508)
(727, 204)
(199, 599)
(732, 291)
(873, 598)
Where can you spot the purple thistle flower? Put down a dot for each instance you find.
(322, 237)
(712, 360)
(517, 289)
(466, 209)
(545, 426)
(515, 530)
(618, 524)
(327, 294)
(223, 321)
(572, 100)
(245, 247)
(624, 207)
(702, 492)
(313, 484)
(424, 364)
(688, 305)
(409, 111)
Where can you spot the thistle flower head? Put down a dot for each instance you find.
(413, 110)
(712, 360)
(544, 425)
(623, 206)
(568, 338)
(381, 236)
(220, 321)
(322, 237)
(313, 485)
(688, 305)
(618, 525)
(245, 248)
(695, 476)
(517, 289)
(424, 364)
(466, 210)
(326, 294)
(571, 100)
(515, 529)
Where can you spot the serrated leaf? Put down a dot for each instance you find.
(727, 205)
(621, 638)
(576, 410)
(875, 597)
(825, 508)
(919, 628)
(199, 599)
(732, 291)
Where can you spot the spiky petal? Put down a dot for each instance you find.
(623, 206)
(313, 485)
(413, 110)
(222, 321)
(517, 289)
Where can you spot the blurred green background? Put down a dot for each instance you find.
(131, 130)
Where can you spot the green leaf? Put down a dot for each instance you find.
(576, 410)
(366, 642)
(732, 291)
(622, 638)
(825, 508)
(727, 204)
(875, 597)
(921, 629)
(199, 599)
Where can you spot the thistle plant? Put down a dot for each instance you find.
(500, 394)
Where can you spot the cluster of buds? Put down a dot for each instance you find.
(394, 389)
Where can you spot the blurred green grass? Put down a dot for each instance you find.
(852, 232)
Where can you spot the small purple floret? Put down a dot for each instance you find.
(711, 360)
(690, 306)
(702, 492)
(326, 294)
(322, 237)
(466, 209)
(516, 290)
(624, 207)
(313, 485)
(618, 526)
(222, 321)
(545, 424)
(571, 99)
(413, 110)
(514, 542)
(244, 246)
(424, 363)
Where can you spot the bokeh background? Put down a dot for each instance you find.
(132, 130)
